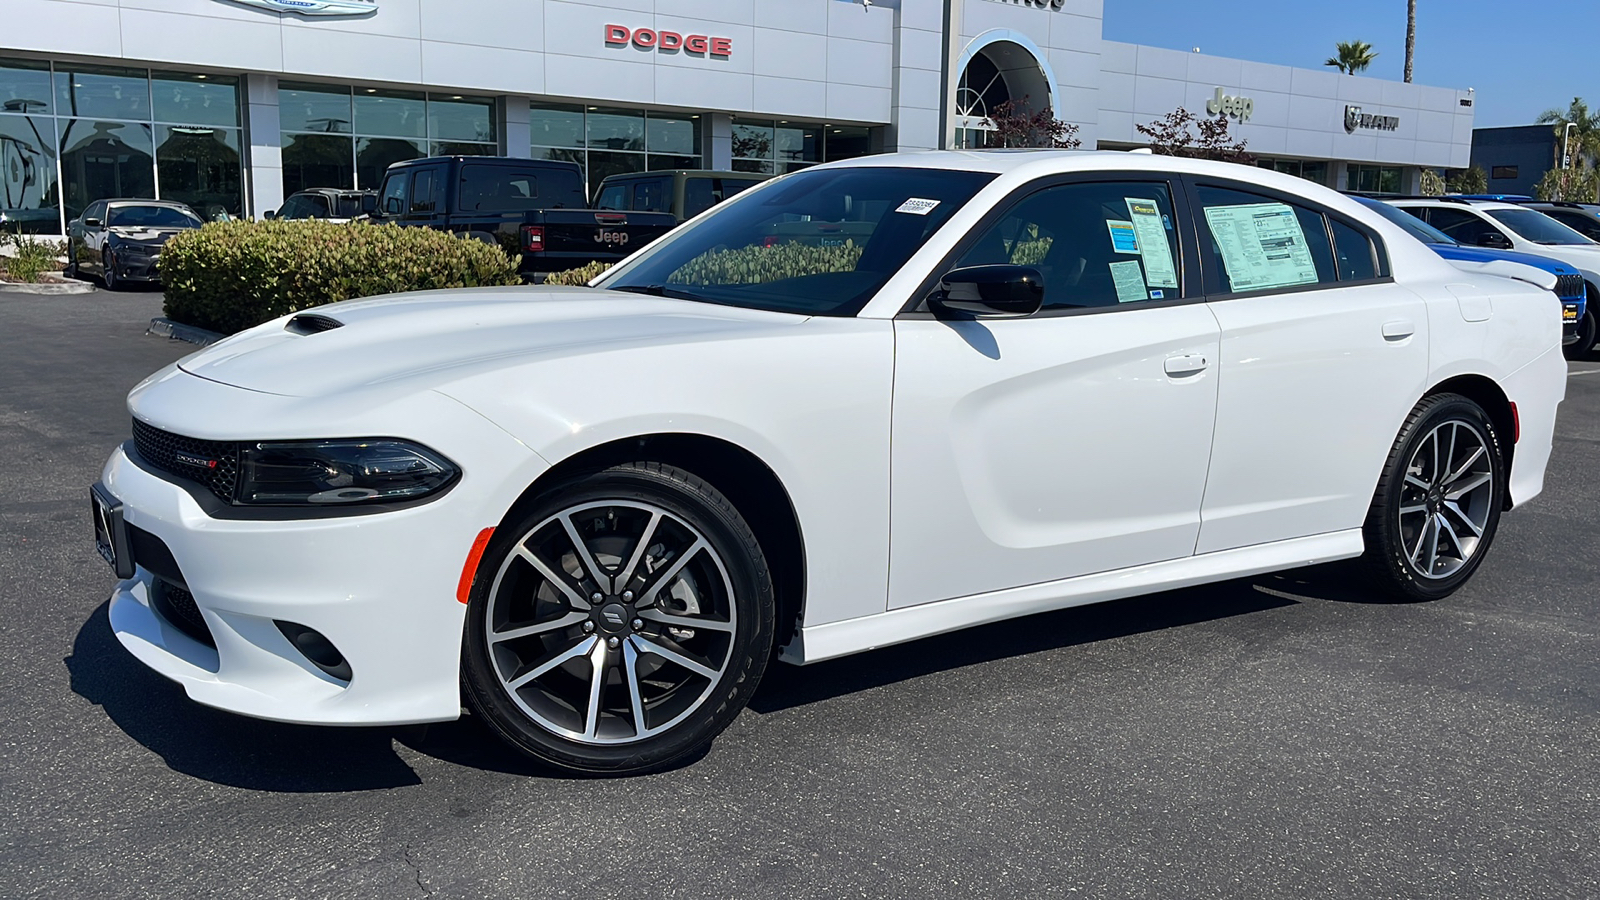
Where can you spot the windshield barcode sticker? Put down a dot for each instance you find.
(917, 206)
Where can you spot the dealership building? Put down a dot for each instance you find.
(230, 105)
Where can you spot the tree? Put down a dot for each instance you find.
(1354, 56)
(1182, 133)
(1580, 185)
(1585, 141)
(1411, 36)
(1468, 181)
(1015, 125)
(1432, 183)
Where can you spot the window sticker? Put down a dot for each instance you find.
(917, 206)
(1123, 239)
(1262, 246)
(1157, 295)
(1151, 236)
(1129, 279)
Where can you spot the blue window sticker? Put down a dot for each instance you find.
(1156, 295)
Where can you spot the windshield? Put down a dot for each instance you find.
(816, 242)
(1537, 227)
(152, 217)
(1418, 229)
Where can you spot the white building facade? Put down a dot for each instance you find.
(229, 105)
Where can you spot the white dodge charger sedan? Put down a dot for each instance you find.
(861, 404)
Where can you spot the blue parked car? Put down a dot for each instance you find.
(1569, 281)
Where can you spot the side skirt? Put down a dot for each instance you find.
(819, 642)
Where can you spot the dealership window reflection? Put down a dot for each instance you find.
(102, 160)
(612, 141)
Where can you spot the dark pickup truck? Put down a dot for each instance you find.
(533, 207)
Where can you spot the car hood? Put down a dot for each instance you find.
(430, 338)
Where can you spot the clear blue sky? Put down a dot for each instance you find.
(1522, 56)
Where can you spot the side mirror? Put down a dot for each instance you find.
(270, 214)
(91, 223)
(392, 206)
(1494, 240)
(988, 292)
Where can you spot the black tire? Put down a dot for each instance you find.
(1588, 332)
(1393, 561)
(739, 574)
(108, 271)
(71, 271)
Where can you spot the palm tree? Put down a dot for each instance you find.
(1354, 56)
(1585, 127)
(1411, 36)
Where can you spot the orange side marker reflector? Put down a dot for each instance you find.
(468, 571)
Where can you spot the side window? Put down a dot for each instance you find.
(1096, 244)
(422, 191)
(293, 208)
(697, 196)
(95, 211)
(1577, 221)
(497, 189)
(1459, 224)
(1258, 243)
(393, 198)
(650, 195)
(1353, 252)
(612, 196)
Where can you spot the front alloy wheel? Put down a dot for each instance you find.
(108, 270)
(623, 624)
(1438, 502)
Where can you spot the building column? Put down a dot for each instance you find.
(718, 141)
(265, 152)
(919, 89)
(515, 137)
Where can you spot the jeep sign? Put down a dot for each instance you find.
(668, 41)
(1238, 108)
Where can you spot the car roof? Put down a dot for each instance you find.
(1456, 203)
(707, 173)
(171, 204)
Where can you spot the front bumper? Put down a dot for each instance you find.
(380, 587)
(137, 266)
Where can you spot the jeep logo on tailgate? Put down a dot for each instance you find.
(605, 236)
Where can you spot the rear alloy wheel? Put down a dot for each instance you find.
(108, 271)
(1438, 504)
(622, 624)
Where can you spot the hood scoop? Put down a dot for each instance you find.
(311, 323)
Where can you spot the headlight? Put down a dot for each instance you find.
(340, 472)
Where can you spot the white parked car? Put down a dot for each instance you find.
(860, 404)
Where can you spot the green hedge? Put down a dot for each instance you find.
(229, 276)
(578, 277)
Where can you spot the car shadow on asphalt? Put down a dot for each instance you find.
(258, 755)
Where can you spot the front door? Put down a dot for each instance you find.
(1071, 442)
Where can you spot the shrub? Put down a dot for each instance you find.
(1432, 183)
(1576, 184)
(30, 257)
(758, 264)
(228, 276)
(1471, 180)
(580, 276)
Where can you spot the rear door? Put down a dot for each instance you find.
(1323, 356)
(425, 202)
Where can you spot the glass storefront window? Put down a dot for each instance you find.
(848, 142)
(196, 99)
(556, 126)
(102, 92)
(668, 134)
(798, 144)
(656, 162)
(104, 160)
(317, 160)
(375, 155)
(25, 87)
(752, 140)
(602, 163)
(314, 108)
(753, 165)
(457, 118)
(391, 113)
(1375, 179)
(29, 198)
(616, 129)
(201, 167)
(463, 148)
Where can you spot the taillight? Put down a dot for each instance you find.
(533, 238)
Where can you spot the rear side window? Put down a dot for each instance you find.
(498, 189)
(612, 196)
(1096, 244)
(651, 196)
(1353, 252)
(1260, 243)
(698, 196)
(422, 191)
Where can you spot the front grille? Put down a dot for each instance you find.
(1569, 287)
(176, 605)
(214, 464)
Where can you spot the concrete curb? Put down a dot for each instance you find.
(178, 331)
(56, 288)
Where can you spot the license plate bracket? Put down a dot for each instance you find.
(110, 531)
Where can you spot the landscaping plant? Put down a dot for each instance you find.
(29, 257)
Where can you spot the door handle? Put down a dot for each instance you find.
(1399, 330)
(1185, 365)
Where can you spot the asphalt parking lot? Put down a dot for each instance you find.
(1274, 737)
